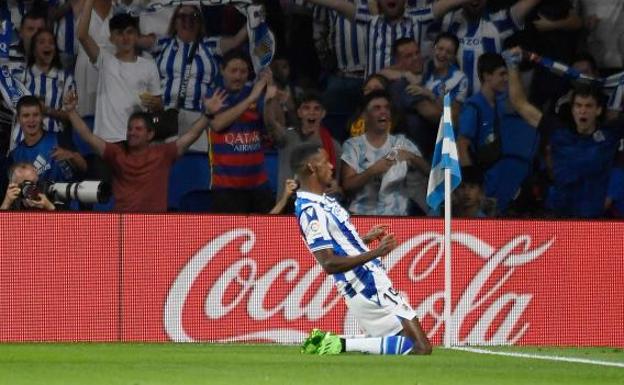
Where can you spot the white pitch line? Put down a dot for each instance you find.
(540, 357)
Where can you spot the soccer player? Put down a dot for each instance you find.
(360, 277)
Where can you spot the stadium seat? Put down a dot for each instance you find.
(190, 172)
(196, 201)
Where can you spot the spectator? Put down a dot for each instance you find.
(309, 130)
(186, 37)
(479, 123)
(480, 31)
(442, 74)
(32, 22)
(49, 153)
(582, 155)
(141, 169)
(239, 181)
(122, 76)
(46, 79)
(373, 83)
(394, 21)
(419, 112)
(469, 198)
(375, 164)
(287, 92)
(65, 15)
(18, 197)
(501, 145)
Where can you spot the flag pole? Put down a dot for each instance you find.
(448, 327)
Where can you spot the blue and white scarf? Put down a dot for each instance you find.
(613, 84)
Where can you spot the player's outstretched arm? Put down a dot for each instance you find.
(333, 264)
(69, 105)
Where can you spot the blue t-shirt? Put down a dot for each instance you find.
(40, 156)
(581, 166)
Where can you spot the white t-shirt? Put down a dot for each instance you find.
(119, 86)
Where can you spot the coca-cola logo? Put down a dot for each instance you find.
(495, 313)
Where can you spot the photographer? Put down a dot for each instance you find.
(23, 192)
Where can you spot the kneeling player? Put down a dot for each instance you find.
(380, 310)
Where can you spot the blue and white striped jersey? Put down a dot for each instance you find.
(49, 87)
(477, 38)
(65, 30)
(455, 82)
(325, 224)
(382, 34)
(345, 39)
(170, 59)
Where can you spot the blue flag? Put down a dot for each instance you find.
(444, 157)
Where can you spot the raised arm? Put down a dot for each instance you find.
(225, 118)
(333, 264)
(90, 46)
(441, 7)
(344, 7)
(69, 104)
(518, 99)
(522, 8)
(211, 106)
(228, 43)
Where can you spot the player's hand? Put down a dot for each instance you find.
(376, 233)
(386, 245)
(215, 103)
(290, 186)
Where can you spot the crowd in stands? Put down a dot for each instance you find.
(128, 91)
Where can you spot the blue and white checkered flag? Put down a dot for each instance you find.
(444, 157)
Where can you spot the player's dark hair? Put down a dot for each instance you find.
(300, 156)
(585, 90)
(28, 101)
(488, 63)
(121, 21)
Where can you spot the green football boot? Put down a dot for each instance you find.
(312, 343)
(330, 345)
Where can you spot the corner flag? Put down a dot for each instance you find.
(444, 157)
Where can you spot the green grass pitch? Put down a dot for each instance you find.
(237, 364)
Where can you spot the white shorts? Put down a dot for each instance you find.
(381, 315)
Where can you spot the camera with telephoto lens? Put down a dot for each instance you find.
(88, 191)
(29, 190)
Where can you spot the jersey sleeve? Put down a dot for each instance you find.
(420, 14)
(362, 12)
(313, 224)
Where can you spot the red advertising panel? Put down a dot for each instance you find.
(237, 278)
(98, 277)
(59, 277)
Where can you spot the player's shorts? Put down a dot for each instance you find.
(380, 315)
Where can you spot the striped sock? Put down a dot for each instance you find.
(392, 345)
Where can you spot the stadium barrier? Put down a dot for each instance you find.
(192, 278)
